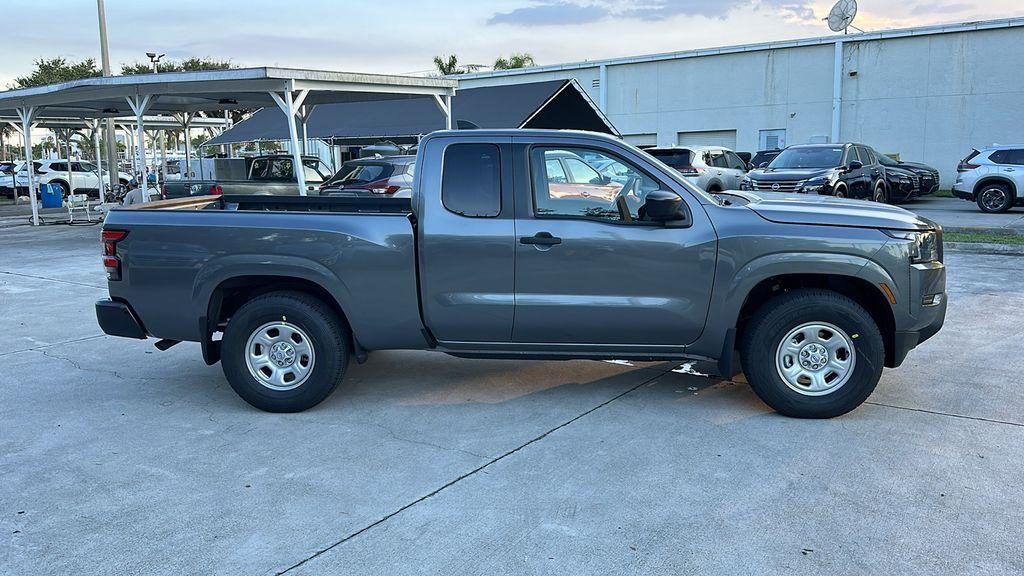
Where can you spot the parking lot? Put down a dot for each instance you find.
(117, 458)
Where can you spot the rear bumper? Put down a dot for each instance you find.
(118, 319)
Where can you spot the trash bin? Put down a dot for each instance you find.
(51, 195)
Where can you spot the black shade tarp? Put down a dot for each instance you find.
(558, 104)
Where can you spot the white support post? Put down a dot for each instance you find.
(837, 92)
(139, 105)
(287, 105)
(186, 125)
(71, 182)
(26, 115)
(445, 104)
(99, 160)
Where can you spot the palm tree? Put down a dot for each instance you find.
(449, 66)
(517, 60)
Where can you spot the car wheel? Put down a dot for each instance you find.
(65, 190)
(995, 198)
(285, 351)
(812, 354)
(880, 195)
(839, 192)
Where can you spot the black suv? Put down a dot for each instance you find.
(842, 170)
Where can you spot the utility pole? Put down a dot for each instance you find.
(109, 123)
(154, 58)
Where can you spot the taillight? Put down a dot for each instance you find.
(216, 190)
(163, 192)
(111, 262)
(690, 171)
(383, 188)
(965, 166)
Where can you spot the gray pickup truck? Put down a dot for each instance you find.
(512, 246)
(263, 175)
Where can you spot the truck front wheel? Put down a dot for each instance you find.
(812, 354)
(285, 351)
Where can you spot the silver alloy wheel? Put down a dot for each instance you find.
(816, 358)
(279, 355)
(993, 198)
(879, 195)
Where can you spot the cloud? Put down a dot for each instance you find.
(925, 8)
(552, 12)
(570, 12)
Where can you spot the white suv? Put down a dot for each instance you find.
(993, 177)
(713, 168)
(84, 176)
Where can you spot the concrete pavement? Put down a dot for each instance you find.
(117, 458)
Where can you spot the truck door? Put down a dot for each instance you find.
(466, 239)
(594, 271)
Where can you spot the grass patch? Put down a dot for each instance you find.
(944, 193)
(1010, 239)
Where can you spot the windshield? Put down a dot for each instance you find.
(816, 157)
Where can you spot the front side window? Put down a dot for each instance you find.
(86, 166)
(735, 162)
(585, 192)
(471, 180)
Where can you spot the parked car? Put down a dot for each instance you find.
(265, 175)
(569, 176)
(387, 175)
(928, 177)
(494, 257)
(841, 170)
(7, 184)
(713, 168)
(84, 176)
(993, 177)
(901, 184)
(763, 157)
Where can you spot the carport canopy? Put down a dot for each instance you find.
(558, 104)
(185, 94)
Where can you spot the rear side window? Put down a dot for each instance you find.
(471, 180)
(1007, 157)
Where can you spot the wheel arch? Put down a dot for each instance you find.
(995, 179)
(858, 289)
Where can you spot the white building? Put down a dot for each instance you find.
(929, 94)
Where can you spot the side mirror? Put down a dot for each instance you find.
(663, 206)
(855, 165)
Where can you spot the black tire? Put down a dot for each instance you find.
(65, 190)
(328, 336)
(994, 198)
(880, 194)
(769, 327)
(840, 192)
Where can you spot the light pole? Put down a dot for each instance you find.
(109, 124)
(154, 58)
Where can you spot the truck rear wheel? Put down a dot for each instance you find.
(812, 354)
(285, 351)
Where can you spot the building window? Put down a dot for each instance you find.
(773, 139)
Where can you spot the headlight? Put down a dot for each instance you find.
(924, 246)
(745, 183)
(813, 184)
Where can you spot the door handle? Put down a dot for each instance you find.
(541, 239)
(1008, 169)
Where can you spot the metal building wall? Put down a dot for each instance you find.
(928, 95)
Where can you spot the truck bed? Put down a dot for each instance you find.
(178, 253)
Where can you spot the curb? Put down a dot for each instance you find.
(984, 248)
(982, 230)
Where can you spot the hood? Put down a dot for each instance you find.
(917, 166)
(830, 211)
(778, 174)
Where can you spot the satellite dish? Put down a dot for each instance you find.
(841, 15)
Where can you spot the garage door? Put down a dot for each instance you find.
(641, 140)
(723, 138)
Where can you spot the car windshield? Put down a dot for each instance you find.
(816, 157)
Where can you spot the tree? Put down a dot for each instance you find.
(448, 66)
(186, 65)
(57, 70)
(517, 60)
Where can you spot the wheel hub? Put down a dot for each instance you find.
(282, 354)
(814, 356)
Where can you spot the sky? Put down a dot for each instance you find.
(399, 37)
